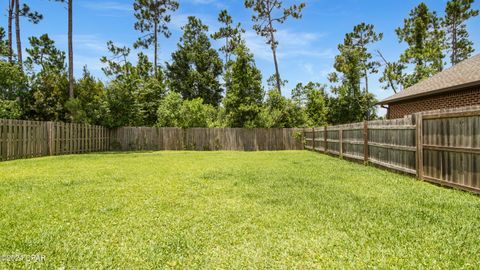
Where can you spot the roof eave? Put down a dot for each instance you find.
(438, 91)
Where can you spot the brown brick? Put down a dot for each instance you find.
(434, 102)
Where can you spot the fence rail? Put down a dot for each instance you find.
(26, 139)
(206, 139)
(439, 146)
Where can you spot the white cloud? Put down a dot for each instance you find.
(93, 63)
(88, 42)
(216, 3)
(291, 45)
(178, 20)
(108, 5)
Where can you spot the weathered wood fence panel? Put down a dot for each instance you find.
(392, 144)
(26, 139)
(439, 146)
(206, 139)
(146, 138)
(451, 148)
(388, 143)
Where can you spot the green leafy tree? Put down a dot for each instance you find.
(4, 46)
(426, 42)
(392, 77)
(89, 105)
(10, 109)
(169, 114)
(265, 19)
(117, 65)
(139, 88)
(122, 104)
(243, 100)
(195, 66)
(150, 90)
(361, 38)
(13, 91)
(351, 103)
(49, 86)
(280, 112)
(176, 112)
(195, 114)
(13, 82)
(313, 99)
(153, 18)
(231, 34)
(457, 13)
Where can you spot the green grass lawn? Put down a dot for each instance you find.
(229, 210)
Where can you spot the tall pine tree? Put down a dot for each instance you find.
(361, 38)
(243, 100)
(153, 18)
(459, 45)
(196, 66)
(267, 14)
(231, 34)
(426, 42)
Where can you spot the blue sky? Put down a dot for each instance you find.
(307, 46)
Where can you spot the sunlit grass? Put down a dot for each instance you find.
(229, 210)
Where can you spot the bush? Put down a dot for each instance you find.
(175, 112)
(10, 109)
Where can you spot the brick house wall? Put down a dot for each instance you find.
(455, 99)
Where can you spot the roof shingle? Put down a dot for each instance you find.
(464, 74)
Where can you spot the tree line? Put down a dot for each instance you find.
(205, 87)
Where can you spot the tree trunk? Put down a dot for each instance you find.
(274, 51)
(70, 49)
(390, 82)
(277, 73)
(17, 33)
(454, 59)
(226, 51)
(10, 30)
(155, 37)
(366, 81)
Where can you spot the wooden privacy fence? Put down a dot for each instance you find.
(26, 139)
(206, 139)
(438, 146)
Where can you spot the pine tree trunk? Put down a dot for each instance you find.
(17, 33)
(366, 81)
(10, 30)
(277, 73)
(155, 37)
(226, 51)
(454, 58)
(70, 49)
(274, 48)
(274, 51)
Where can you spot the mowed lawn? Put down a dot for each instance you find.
(229, 210)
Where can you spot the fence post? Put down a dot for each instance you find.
(419, 142)
(50, 138)
(313, 139)
(303, 137)
(184, 139)
(340, 142)
(365, 141)
(325, 138)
